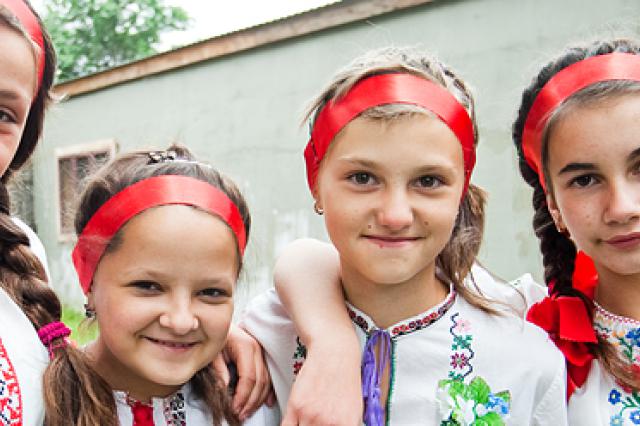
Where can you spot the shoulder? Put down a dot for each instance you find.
(516, 295)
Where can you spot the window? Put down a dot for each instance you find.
(75, 164)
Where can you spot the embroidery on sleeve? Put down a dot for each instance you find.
(10, 398)
(299, 356)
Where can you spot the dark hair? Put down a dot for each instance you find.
(75, 392)
(460, 252)
(558, 251)
(35, 119)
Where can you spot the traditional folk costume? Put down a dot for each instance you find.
(178, 409)
(452, 364)
(593, 394)
(23, 357)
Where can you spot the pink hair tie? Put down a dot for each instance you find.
(52, 331)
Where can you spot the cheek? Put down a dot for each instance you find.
(216, 323)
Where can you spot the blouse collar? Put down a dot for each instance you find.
(407, 326)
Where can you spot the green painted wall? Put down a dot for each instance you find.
(242, 114)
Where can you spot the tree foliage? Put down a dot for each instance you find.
(93, 35)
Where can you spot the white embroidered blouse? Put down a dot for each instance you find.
(453, 361)
(181, 409)
(602, 401)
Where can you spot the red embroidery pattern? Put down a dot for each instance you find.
(10, 398)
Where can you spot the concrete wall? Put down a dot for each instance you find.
(241, 113)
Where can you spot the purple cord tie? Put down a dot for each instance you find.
(52, 331)
(372, 375)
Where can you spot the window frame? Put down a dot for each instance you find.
(110, 146)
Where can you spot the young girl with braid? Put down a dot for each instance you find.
(27, 68)
(389, 160)
(163, 302)
(577, 138)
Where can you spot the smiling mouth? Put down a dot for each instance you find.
(387, 241)
(171, 345)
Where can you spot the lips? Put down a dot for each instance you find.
(170, 344)
(385, 241)
(625, 241)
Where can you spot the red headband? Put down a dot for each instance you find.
(151, 192)
(386, 89)
(29, 21)
(575, 77)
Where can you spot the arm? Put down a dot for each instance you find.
(254, 385)
(307, 279)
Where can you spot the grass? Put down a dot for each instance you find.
(82, 331)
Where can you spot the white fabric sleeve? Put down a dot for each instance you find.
(35, 244)
(266, 319)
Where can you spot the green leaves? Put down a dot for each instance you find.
(473, 404)
(93, 35)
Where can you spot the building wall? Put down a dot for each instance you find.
(242, 113)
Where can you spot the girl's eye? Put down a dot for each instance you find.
(362, 178)
(213, 292)
(583, 181)
(5, 117)
(146, 286)
(429, 181)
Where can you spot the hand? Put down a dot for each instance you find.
(254, 383)
(327, 390)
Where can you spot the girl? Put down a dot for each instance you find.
(27, 68)
(391, 153)
(163, 302)
(576, 135)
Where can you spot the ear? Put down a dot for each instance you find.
(556, 215)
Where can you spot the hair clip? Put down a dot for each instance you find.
(162, 156)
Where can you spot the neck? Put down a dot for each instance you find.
(121, 378)
(386, 304)
(619, 294)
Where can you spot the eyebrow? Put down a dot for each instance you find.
(577, 167)
(634, 154)
(9, 94)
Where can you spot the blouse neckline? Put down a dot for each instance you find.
(409, 325)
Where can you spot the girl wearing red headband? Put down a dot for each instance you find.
(577, 140)
(163, 302)
(389, 160)
(27, 68)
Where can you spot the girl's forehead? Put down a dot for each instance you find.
(607, 131)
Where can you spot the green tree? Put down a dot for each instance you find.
(93, 35)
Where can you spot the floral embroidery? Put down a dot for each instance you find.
(299, 356)
(175, 410)
(409, 326)
(10, 399)
(463, 353)
(473, 404)
(624, 334)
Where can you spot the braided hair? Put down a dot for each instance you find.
(558, 251)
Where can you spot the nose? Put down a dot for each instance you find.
(623, 204)
(178, 316)
(395, 211)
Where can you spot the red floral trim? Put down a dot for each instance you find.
(10, 396)
(410, 325)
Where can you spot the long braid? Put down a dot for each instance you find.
(558, 251)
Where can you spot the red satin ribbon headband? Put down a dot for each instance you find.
(387, 89)
(151, 192)
(575, 77)
(30, 23)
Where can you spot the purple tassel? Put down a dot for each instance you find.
(372, 375)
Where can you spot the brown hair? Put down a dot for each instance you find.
(73, 389)
(558, 251)
(460, 252)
